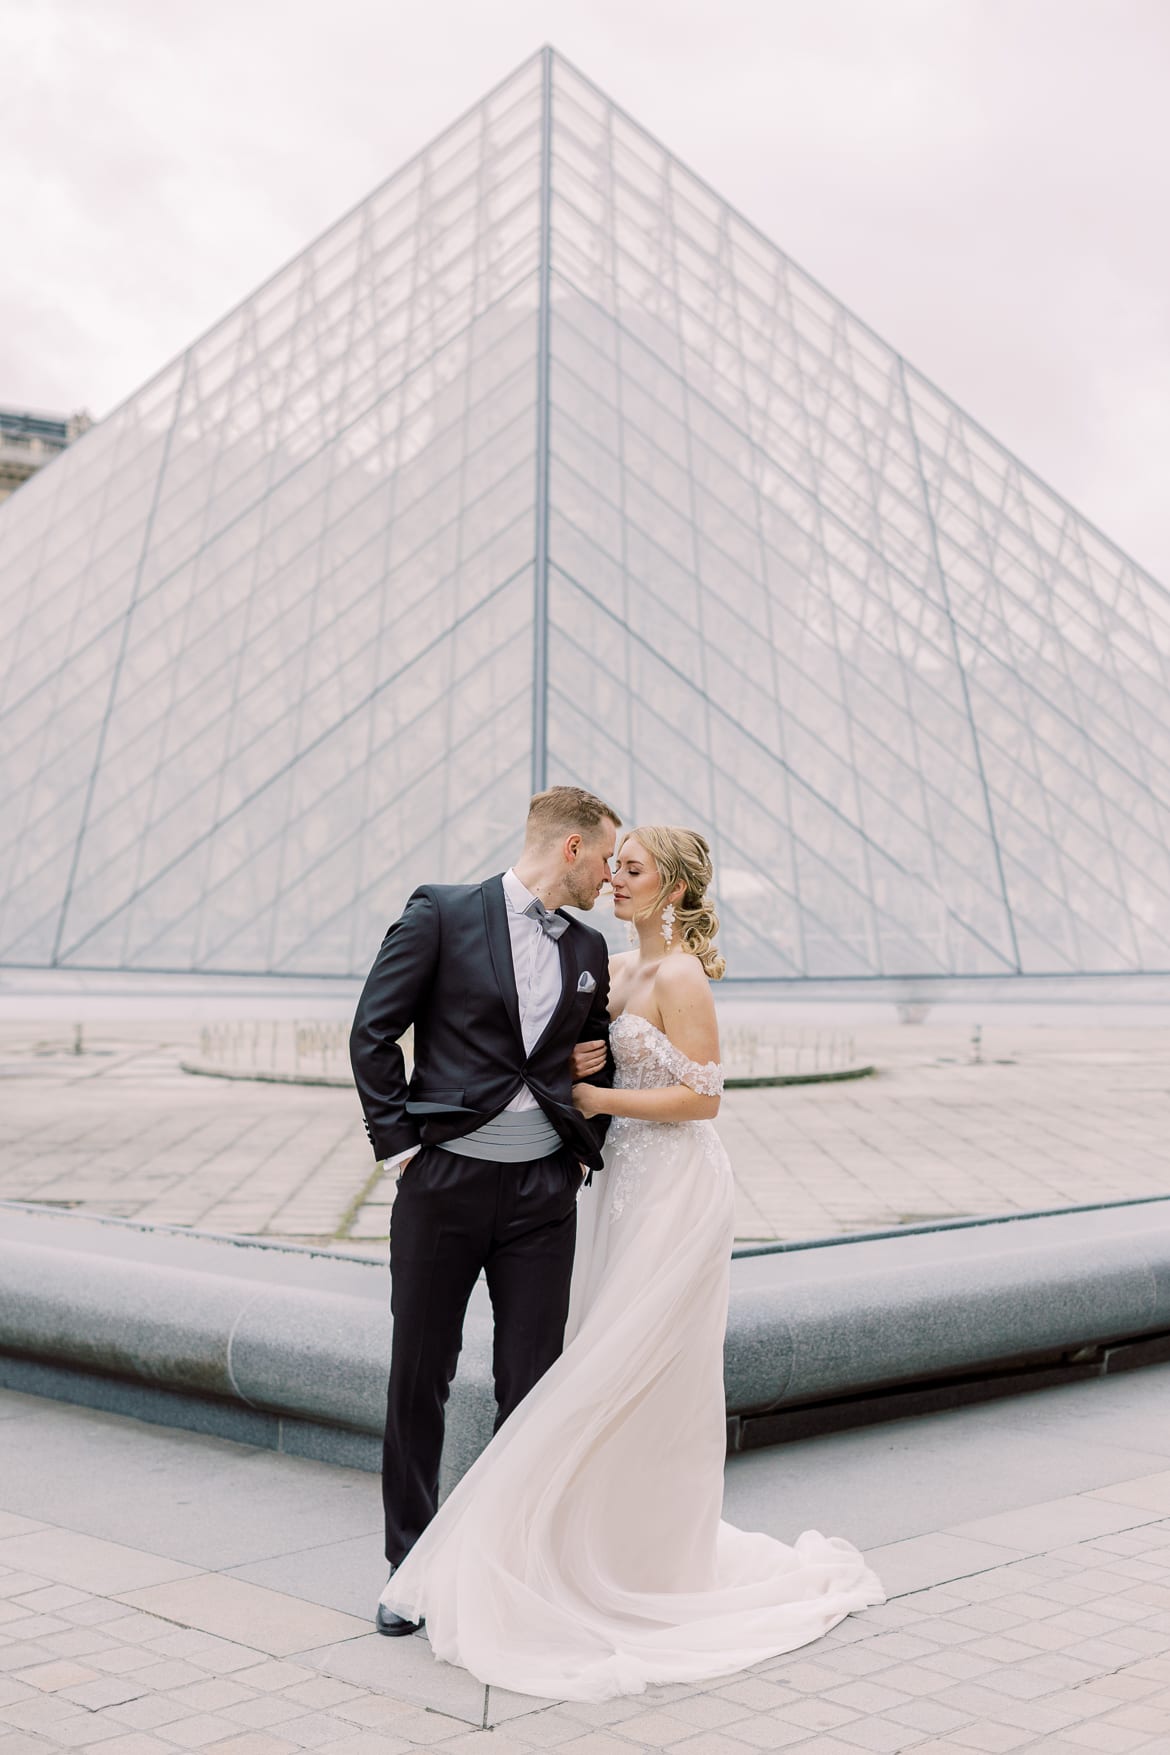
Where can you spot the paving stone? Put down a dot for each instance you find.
(1153, 1720)
(171, 1673)
(35, 1627)
(360, 1743)
(258, 1743)
(195, 1730)
(554, 1729)
(804, 1675)
(136, 1743)
(1000, 1650)
(263, 1711)
(995, 1739)
(914, 1679)
(819, 1714)
(60, 1673)
(880, 1735)
(612, 1712)
(960, 1665)
(210, 1694)
(703, 1711)
(375, 1711)
(414, 1676)
(92, 1612)
(854, 1660)
(148, 1713)
(314, 1730)
(1041, 1528)
(1110, 1739)
(488, 1743)
(760, 1731)
(321, 1691)
(827, 1745)
(600, 1743)
(88, 1731)
(269, 1620)
(106, 1691)
(423, 1729)
(926, 1715)
(762, 1695)
(39, 1712)
(272, 1675)
(1039, 1715)
(106, 1568)
(866, 1696)
(1104, 1653)
(1151, 1492)
(49, 1597)
(80, 1642)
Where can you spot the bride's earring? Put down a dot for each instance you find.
(632, 932)
(668, 924)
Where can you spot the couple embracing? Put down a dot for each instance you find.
(583, 1555)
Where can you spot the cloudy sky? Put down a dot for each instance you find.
(986, 182)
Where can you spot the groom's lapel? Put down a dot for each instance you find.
(495, 915)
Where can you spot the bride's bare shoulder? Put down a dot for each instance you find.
(682, 994)
(682, 979)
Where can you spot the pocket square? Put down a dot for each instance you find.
(587, 984)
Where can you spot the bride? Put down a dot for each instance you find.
(583, 1554)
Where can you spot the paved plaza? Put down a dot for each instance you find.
(1046, 1117)
(163, 1591)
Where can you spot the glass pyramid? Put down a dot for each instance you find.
(543, 465)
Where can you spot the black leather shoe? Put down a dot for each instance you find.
(394, 1626)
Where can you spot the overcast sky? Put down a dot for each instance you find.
(986, 182)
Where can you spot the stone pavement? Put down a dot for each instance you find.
(162, 1591)
(1050, 1117)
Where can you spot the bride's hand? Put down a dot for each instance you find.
(586, 1059)
(587, 1100)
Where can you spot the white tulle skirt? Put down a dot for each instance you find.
(583, 1555)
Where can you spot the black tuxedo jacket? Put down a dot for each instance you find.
(446, 968)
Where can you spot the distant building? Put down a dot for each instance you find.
(29, 441)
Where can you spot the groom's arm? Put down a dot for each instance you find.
(403, 971)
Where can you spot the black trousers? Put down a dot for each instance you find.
(452, 1217)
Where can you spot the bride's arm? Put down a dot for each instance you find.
(683, 996)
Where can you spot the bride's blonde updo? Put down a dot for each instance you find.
(682, 856)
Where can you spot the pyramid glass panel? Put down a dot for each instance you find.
(543, 465)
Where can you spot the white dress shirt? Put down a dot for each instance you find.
(536, 964)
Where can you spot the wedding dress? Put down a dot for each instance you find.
(583, 1554)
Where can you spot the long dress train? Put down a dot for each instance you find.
(583, 1554)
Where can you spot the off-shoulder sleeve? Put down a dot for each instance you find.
(707, 1079)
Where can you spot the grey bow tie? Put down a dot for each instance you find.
(553, 924)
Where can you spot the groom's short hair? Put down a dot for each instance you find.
(563, 809)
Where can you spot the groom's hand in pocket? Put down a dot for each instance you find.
(586, 1059)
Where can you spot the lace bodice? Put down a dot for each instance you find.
(646, 1059)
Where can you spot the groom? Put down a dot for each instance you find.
(499, 986)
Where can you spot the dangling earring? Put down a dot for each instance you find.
(668, 924)
(632, 931)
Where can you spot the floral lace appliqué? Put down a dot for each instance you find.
(645, 1059)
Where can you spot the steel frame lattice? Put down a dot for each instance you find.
(544, 465)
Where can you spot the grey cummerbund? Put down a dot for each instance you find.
(514, 1137)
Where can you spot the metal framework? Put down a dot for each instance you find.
(542, 464)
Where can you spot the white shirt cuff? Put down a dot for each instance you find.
(398, 1158)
